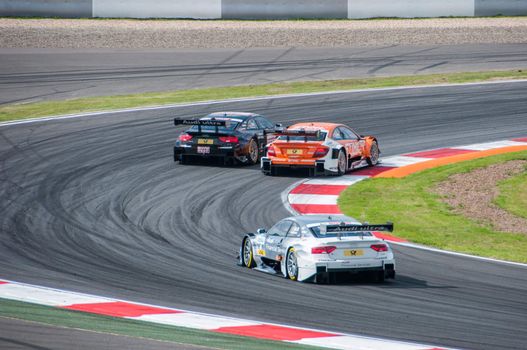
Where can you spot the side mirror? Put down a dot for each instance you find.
(279, 125)
(261, 231)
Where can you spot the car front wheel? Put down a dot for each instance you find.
(291, 265)
(342, 163)
(247, 254)
(373, 159)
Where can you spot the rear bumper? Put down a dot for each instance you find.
(318, 165)
(307, 273)
(217, 151)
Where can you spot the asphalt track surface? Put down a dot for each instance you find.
(96, 205)
(23, 335)
(44, 74)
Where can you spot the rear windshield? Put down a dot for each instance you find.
(316, 232)
(321, 137)
(229, 127)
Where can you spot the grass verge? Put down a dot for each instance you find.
(90, 104)
(139, 329)
(513, 195)
(421, 217)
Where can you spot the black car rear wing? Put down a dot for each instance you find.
(300, 132)
(200, 123)
(343, 227)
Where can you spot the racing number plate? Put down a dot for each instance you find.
(294, 151)
(203, 149)
(205, 141)
(354, 252)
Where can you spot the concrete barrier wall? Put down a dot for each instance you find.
(157, 8)
(46, 8)
(282, 9)
(409, 8)
(260, 9)
(501, 7)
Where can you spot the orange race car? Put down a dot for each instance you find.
(326, 148)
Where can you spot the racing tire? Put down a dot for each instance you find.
(252, 157)
(342, 163)
(291, 265)
(247, 254)
(373, 159)
(379, 276)
(183, 160)
(254, 153)
(272, 172)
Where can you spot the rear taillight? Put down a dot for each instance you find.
(228, 139)
(379, 247)
(323, 250)
(271, 152)
(185, 137)
(320, 152)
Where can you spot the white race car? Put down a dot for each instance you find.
(315, 248)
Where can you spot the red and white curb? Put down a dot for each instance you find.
(320, 195)
(182, 318)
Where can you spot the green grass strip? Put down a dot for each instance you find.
(421, 217)
(90, 104)
(140, 329)
(513, 195)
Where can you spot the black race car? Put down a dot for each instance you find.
(232, 136)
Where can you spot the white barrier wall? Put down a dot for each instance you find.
(409, 8)
(157, 8)
(46, 8)
(501, 7)
(283, 9)
(261, 9)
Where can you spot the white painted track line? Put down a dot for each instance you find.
(313, 199)
(491, 145)
(44, 296)
(258, 98)
(345, 180)
(196, 321)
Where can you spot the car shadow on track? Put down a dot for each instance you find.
(400, 282)
(217, 163)
(220, 164)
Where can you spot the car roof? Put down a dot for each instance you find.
(237, 115)
(316, 219)
(315, 125)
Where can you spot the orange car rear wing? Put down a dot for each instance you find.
(300, 132)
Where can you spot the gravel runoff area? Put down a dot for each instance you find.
(471, 194)
(88, 33)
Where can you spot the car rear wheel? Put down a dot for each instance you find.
(291, 265)
(252, 156)
(254, 152)
(379, 276)
(342, 163)
(247, 254)
(373, 159)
